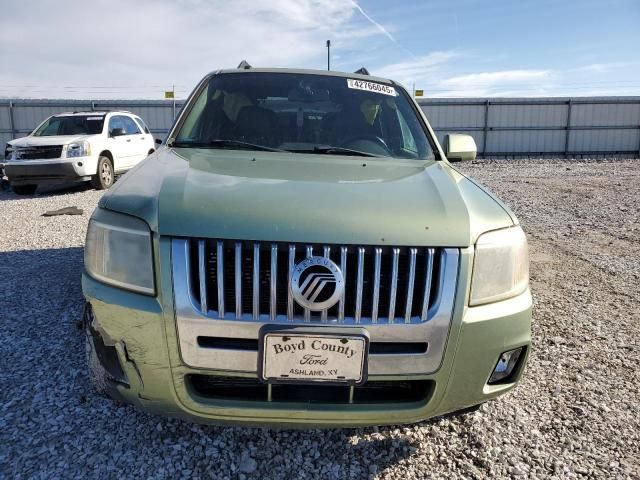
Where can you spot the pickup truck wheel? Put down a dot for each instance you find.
(24, 189)
(98, 376)
(104, 177)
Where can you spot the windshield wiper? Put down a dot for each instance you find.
(221, 143)
(328, 149)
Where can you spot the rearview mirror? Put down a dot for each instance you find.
(460, 147)
(158, 141)
(117, 132)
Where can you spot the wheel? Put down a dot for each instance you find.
(24, 189)
(103, 179)
(98, 376)
(367, 143)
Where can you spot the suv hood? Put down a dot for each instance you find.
(274, 196)
(31, 141)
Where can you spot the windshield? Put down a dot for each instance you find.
(71, 125)
(304, 113)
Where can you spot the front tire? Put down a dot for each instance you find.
(104, 177)
(24, 189)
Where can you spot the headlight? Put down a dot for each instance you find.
(78, 149)
(8, 152)
(500, 267)
(118, 252)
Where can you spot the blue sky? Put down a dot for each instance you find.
(446, 47)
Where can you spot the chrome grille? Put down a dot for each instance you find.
(245, 280)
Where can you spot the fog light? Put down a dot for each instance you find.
(505, 366)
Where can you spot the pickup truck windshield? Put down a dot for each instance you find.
(71, 125)
(304, 113)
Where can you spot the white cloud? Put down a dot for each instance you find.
(500, 83)
(421, 69)
(117, 48)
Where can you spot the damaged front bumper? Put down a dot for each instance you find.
(140, 332)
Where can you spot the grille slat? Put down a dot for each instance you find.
(291, 263)
(376, 285)
(427, 284)
(359, 284)
(274, 277)
(412, 278)
(401, 282)
(343, 267)
(327, 254)
(220, 275)
(256, 281)
(202, 275)
(394, 284)
(238, 279)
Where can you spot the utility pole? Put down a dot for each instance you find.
(174, 101)
(328, 54)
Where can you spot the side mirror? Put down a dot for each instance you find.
(460, 147)
(117, 132)
(158, 141)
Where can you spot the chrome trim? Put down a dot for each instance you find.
(327, 254)
(376, 276)
(376, 285)
(307, 312)
(238, 280)
(220, 277)
(292, 262)
(394, 284)
(343, 268)
(410, 283)
(359, 285)
(427, 284)
(202, 275)
(274, 278)
(256, 281)
(192, 323)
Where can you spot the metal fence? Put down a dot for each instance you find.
(19, 117)
(500, 126)
(541, 126)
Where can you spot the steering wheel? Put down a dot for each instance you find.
(379, 143)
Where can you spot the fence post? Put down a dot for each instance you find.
(486, 126)
(568, 129)
(12, 125)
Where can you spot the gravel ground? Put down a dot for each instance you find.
(574, 415)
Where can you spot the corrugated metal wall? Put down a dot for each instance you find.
(500, 126)
(541, 126)
(19, 117)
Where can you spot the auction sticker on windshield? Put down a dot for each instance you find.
(371, 87)
(313, 358)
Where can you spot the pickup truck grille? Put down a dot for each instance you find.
(246, 280)
(39, 152)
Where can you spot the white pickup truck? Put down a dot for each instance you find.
(77, 146)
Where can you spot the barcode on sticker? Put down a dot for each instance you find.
(371, 87)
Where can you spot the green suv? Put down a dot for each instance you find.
(301, 252)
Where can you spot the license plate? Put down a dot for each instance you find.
(313, 358)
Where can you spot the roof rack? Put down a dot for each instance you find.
(244, 65)
(362, 71)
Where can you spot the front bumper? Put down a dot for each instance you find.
(49, 171)
(143, 331)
